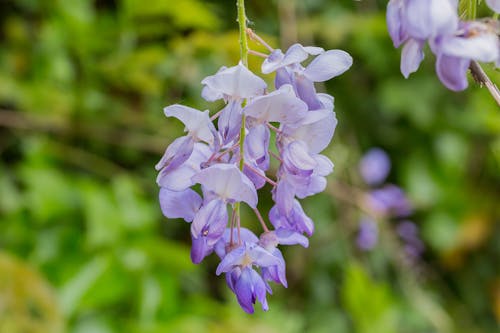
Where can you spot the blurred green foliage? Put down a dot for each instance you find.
(82, 86)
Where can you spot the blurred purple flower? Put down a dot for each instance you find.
(390, 200)
(375, 166)
(367, 236)
(413, 245)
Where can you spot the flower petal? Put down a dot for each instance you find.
(183, 204)
(316, 130)
(411, 56)
(394, 22)
(306, 91)
(279, 106)
(429, 18)
(176, 153)
(327, 65)
(235, 82)
(228, 183)
(482, 47)
(452, 72)
(197, 122)
(230, 121)
(210, 221)
(179, 179)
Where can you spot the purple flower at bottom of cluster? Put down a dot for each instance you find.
(242, 279)
(367, 237)
(374, 166)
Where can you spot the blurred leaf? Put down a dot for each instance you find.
(27, 301)
(71, 293)
(369, 303)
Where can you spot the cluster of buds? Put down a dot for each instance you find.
(455, 43)
(232, 161)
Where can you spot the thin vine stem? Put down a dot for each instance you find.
(242, 23)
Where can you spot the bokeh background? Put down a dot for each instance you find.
(84, 247)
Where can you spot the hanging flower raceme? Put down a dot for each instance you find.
(208, 174)
(413, 23)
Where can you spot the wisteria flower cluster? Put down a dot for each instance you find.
(455, 43)
(388, 201)
(232, 160)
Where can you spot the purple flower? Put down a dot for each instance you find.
(199, 128)
(368, 234)
(290, 71)
(232, 84)
(408, 232)
(455, 43)
(390, 200)
(374, 166)
(295, 220)
(179, 178)
(246, 283)
(179, 204)
(222, 184)
(472, 41)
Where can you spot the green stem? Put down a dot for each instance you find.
(242, 22)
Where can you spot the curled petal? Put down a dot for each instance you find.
(230, 121)
(228, 183)
(452, 72)
(235, 82)
(429, 18)
(183, 204)
(176, 153)
(283, 76)
(199, 249)
(324, 166)
(296, 159)
(197, 123)
(294, 55)
(290, 237)
(316, 130)
(279, 106)
(210, 222)
(483, 47)
(316, 184)
(249, 288)
(231, 260)
(283, 196)
(276, 273)
(411, 56)
(394, 22)
(179, 179)
(257, 146)
(327, 65)
(327, 101)
(306, 91)
(295, 220)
